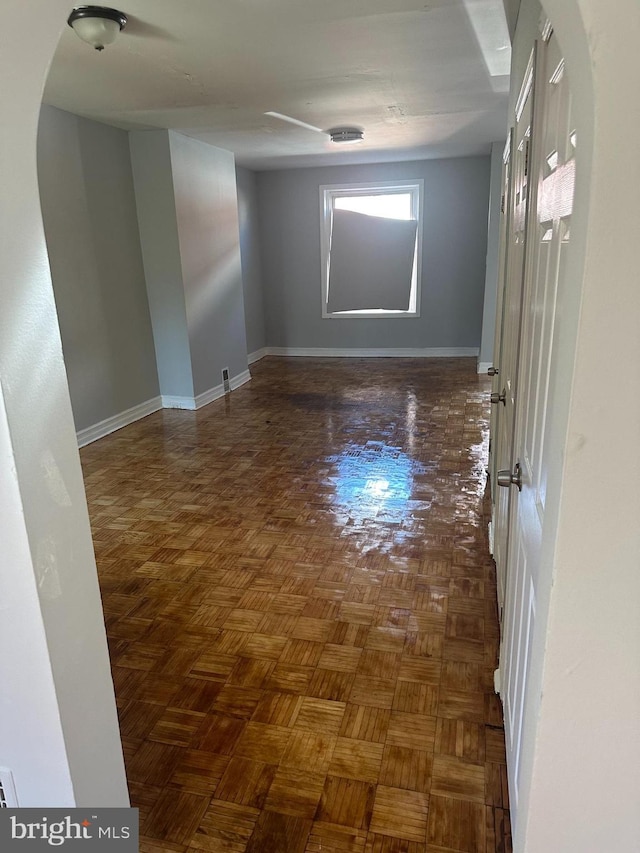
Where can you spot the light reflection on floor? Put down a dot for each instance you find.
(374, 481)
(382, 496)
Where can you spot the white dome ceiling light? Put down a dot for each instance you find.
(97, 25)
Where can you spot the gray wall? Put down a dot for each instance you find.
(511, 9)
(529, 15)
(204, 184)
(493, 253)
(247, 182)
(151, 160)
(456, 198)
(89, 213)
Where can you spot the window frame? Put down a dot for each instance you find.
(329, 192)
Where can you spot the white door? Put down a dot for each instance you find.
(504, 399)
(548, 236)
(496, 413)
(502, 272)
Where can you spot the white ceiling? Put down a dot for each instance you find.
(422, 79)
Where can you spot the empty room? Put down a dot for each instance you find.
(314, 532)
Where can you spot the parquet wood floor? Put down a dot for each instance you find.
(301, 611)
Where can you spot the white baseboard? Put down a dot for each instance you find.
(169, 402)
(215, 393)
(252, 357)
(240, 379)
(208, 396)
(109, 425)
(388, 352)
(483, 366)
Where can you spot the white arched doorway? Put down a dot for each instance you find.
(59, 734)
(59, 727)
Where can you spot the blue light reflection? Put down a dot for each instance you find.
(374, 481)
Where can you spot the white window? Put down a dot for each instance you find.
(371, 242)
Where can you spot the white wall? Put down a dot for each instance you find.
(88, 206)
(28, 698)
(581, 751)
(204, 183)
(59, 726)
(493, 251)
(456, 199)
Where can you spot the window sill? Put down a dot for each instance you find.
(371, 315)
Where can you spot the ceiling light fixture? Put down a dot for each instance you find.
(97, 25)
(346, 134)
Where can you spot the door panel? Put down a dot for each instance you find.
(496, 414)
(505, 220)
(504, 417)
(521, 624)
(548, 234)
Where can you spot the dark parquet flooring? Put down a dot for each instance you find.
(301, 611)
